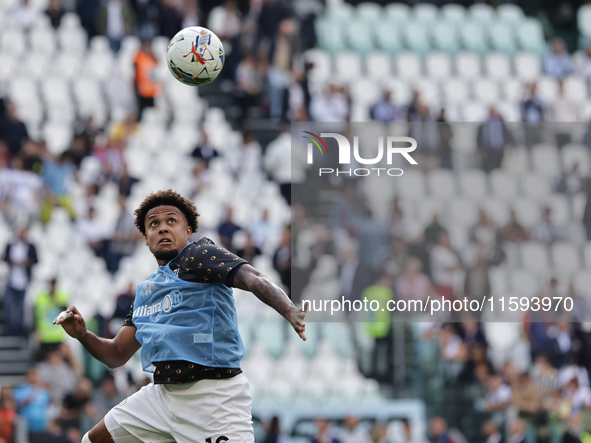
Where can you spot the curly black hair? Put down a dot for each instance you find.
(168, 198)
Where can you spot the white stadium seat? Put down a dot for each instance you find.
(468, 65)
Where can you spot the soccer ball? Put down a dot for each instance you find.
(195, 56)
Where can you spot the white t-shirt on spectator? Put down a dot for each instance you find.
(441, 260)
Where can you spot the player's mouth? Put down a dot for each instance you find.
(165, 241)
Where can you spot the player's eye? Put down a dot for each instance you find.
(154, 223)
(172, 220)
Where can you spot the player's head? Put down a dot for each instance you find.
(166, 219)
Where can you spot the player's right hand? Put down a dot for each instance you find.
(74, 325)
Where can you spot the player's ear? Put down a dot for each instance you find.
(189, 231)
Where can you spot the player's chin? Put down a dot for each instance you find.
(166, 252)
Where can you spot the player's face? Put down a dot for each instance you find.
(167, 232)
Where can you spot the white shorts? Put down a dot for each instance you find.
(206, 411)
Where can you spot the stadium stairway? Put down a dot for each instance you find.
(15, 360)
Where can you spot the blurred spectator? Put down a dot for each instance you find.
(490, 430)
(26, 15)
(48, 305)
(95, 232)
(283, 51)
(87, 10)
(124, 239)
(57, 174)
(282, 260)
(379, 433)
(8, 415)
(397, 223)
(32, 401)
(444, 262)
(581, 304)
(352, 432)
(115, 19)
(249, 83)
(200, 180)
(294, 99)
(485, 234)
(445, 137)
(271, 14)
(249, 251)
(77, 405)
(274, 433)
(477, 281)
(587, 212)
(412, 109)
(224, 21)
(432, 231)
(425, 130)
(586, 68)
(147, 87)
(227, 229)
(546, 230)
(563, 112)
(498, 395)
(12, 130)
(108, 396)
(438, 432)
(21, 256)
(56, 434)
(492, 139)
(331, 106)
(544, 375)
(126, 182)
(452, 348)
(514, 231)
(379, 327)
(170, 18)
(532, 113)
(413, 284)
(410, 435)
(121, 311)
(517, 432)
(558, 63)
(205, 151)
(324, 433)
(572, 181)
(386, 111)
(527, 400)
(373, 242)
(55, 12)
(276, 165)
(472, 333)
(23, 190)
(57, 375)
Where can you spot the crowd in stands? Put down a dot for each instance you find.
(545, 395)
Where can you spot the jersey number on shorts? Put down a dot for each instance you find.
(220, 439)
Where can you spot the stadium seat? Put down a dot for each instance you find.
(8, 67)
(58, 137)
(369, 13)
(474, 112)
(348, 66)
(455, 91)
(72, 40)
(413, 185)
(13, 42)
(574, 153)
(503, 184)
(513, 90)
(416, 37)
(511, 14)
(401, 90)
(463, 213)
(528, 66)
(330, 35)
(408, 65)
(378, 65)
(426, 13)
(453, 13)
(322, 61)
(546, 161)
(565, 257)
(510, 111)
(340, 12)
(429, 90)
(445, 37)
(388, 37)
(362, 40)
(481, 13)
(468, 65)
(530, 36)
(502, 37)
(438, 65)
(560, 206)
(582, 282)
(42, 42)
(498, 210)
(534, 257)
(441, 184)
(525, 281)
(474, 38)
(584, 22)
(398, 13)
(575, 88)
(364, 91)
(486, 91)
(547, 89)
(473, 184)
(535, 186)
(498, 65)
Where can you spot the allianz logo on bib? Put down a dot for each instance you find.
(166, 305)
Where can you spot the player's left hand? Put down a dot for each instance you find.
(297, 322)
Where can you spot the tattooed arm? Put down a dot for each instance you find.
(249, 279)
